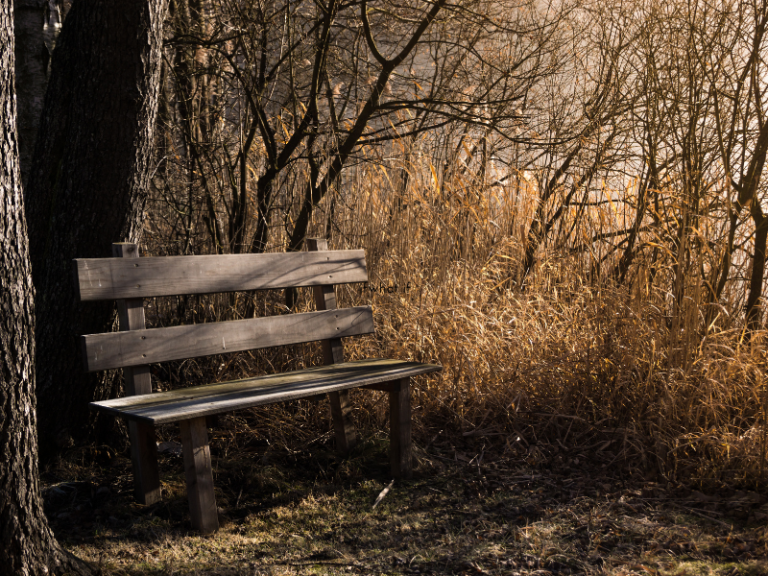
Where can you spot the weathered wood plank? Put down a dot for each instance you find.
(325, 299)
(198, 401)
(115, 278)
(400, 453)
(120, 349)
(199, 476)
(138, 380)
(341, 416)
(333, 353)
(146, 477)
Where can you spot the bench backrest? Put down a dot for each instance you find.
(128, 279)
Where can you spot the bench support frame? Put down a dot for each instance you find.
(400, 451)
(333, 353)
(199, 475)
(138, 380)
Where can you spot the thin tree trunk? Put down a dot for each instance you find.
(27, 545)
(537, 230)
(651, 185)
(753, 308)
(263, 205)
(88, 187)
(722, 273)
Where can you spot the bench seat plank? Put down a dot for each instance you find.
(194, 402)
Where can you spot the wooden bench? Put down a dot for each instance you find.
(128, 279)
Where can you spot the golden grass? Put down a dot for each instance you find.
(570, 358)
(565, 358)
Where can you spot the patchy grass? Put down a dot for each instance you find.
(471, 509)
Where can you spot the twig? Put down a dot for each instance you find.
(702, 515)
(381, 495)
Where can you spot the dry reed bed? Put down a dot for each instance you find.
(593, 361)
(566, 360)
(570, 359)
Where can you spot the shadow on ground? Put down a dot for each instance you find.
(467, 511)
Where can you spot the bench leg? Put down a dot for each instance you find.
(400, 428)
(146, 477)
(341, 413)
(197, 468)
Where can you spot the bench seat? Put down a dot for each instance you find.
(210, 399)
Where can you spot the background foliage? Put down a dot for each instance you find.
(565, 201)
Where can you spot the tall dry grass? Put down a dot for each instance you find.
(563, 360)
(566, 360)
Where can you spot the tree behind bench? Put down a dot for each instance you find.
(87, 187)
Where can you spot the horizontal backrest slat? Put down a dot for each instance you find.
(116, 278)
(137, 347)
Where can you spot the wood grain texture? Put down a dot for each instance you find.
(131, 314)
(199, 476)
(325, 299)
(400, 452)
(198, 401)
(333, 353)
(114, 278)
(146, 476)
(120, 349)
(138, 380)
(341, 416)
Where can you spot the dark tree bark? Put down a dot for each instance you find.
(88, 187)
(27, 545)
(753, 308)
(31, 74)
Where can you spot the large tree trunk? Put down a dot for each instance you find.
(27, 546)
(31, 74)
(37, 24)
(88, 187)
